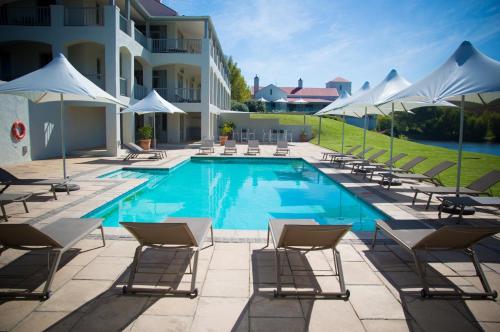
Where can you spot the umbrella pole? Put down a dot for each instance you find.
(364, 133)
(392, 138)
(154, 130)
(460, 139)
(63, 146)
(319, 131)
(343, 130)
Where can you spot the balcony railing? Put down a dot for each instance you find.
(97, 79)
(123, 24)
(123, 87)
(83, 16)
(140, 38)
(176, 46)
(33, 16)
(180, 95)
(140, 91)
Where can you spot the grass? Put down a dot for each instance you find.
(474, 165)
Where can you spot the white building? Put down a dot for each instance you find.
(127, 47)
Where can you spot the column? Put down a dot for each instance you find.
(127, 12)
(205, 90)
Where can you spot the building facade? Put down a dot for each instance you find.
(299, 98)
(127, 47)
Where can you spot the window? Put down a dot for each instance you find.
(340, 87)
(271, 92)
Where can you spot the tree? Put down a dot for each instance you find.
(255, 106)
(239, 107)
(240, 91)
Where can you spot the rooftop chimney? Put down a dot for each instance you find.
(255, 84)
(300, 83)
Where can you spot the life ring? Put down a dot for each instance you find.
(18, 130)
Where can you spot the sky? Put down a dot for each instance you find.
(318, 40)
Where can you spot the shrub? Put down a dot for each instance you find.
(145, 132)
(239, 107)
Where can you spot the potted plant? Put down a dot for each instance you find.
(226, 131)
(303, 136)
(145, 135)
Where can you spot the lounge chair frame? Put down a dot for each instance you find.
(253, 147)
(7, 179)
(230, 147)
(431, 175)
(420, 247)
(329, 154)
(207, 146)
(192, 256)
(45, 241)
(282, 148)
(135, 151)
(308, 224)
(13, 197)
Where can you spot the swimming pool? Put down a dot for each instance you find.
(238, 193)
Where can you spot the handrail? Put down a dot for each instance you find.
(28, 16)
(176, 46)
(180, 95)
(83, 16)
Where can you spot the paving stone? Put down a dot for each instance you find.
(385, 325)
(221, 314)
(261, 324)
(358, 273)
(375, 302)
(12, 312)
(39, 321)
(229, 260)
(269, 306)
(146, 323)
(104, 268)
(231, 283)
(171, 306)
(330, 315)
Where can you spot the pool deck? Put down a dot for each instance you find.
(235, 276)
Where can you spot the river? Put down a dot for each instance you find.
(489, 148)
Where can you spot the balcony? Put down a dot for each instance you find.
(97, 79)
(83, 16)
(140, 38)
(140, 91)
(30, 16)
(123, 24)
(180, 95)
(192, 46)
(123, 87)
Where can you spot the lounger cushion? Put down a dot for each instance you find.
(443, 190)
(406, 232)
(199, 227)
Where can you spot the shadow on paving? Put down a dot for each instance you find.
(397, 268)
(115, 161)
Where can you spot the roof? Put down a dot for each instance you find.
(156, 8)
(340, 79)
(320, 92)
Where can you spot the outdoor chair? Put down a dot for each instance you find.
(406, 168)
(207, 146)
(282, 148)
(357, 164)
(307, 235)
(374, 166)
(8, 179)
(135, 151)
(244, 135)
(13, 197)
(344, 159)
(253, 147)
(349, 152)
(230, 147)
(56, 238)
(418, 238)
(430, 175)
(477, 187)
(173, 233)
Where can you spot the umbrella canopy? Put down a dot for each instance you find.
(153, 103)
(57, 77)
(467, 72)
(300, 101)
(56, 81)
(343, 96)
(468, 75)
(281, 100)
(342, 101)
(262, 99)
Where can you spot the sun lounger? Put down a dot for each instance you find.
(429, 176)
(407, 167)
(417, 238)
(135, 151)
(307, 235)
(13, 197)
(253, 147)
(340, 159)
(173, 233)
(349, 152)
(282, 148)
(7, 179)
(477, 187)
(230, 147)
(56, 238)
(373, 166)
(356, 164)
(207, 146)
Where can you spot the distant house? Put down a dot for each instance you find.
(299, 98)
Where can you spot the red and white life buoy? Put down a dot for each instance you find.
(18, 130)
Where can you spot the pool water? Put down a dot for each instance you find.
(238, 193)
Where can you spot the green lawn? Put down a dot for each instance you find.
(473, 164)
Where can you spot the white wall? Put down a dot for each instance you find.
(12, 109)
(85, 128)
(266, 93)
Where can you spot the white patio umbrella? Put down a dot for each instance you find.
(57, 81)
(468, 75)
(262, 99)
(153, 103)
(343, 95)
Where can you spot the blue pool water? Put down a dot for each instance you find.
(237, 193)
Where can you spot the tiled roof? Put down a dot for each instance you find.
(156, 8)
(340, 79)
(320, 92)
